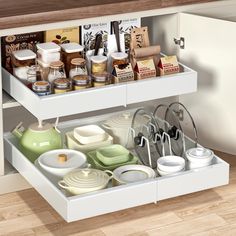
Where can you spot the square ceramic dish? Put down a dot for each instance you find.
(72, 143)
(113, 154)
(89, 134)
(95, 163)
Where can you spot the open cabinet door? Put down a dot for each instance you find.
(210, 49)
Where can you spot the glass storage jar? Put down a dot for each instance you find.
(41, 88)
(98, 64)
(99, 80)
(78, 67)
(69, 52)
(21, 61)
(119, 58)
(81, 82)
(56, 70)
(34, 74)
(61, 85)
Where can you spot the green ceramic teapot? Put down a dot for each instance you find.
(37, 139)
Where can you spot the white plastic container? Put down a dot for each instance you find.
(21, 61)
(48, 52)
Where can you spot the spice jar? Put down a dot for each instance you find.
(78, 67)
(41, 88)
(34, 74)
(81, 82)
(61, 85)
(48, 52)
(98, 64)
(44, 69)
(56, 71)
(21, 61)
(119, 58)
(100, 79)
(69, 52)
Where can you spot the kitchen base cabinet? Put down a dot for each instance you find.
(198, 40)
(73, 208)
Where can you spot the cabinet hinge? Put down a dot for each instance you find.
(180, 42)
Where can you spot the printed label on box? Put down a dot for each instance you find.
(168, 65)
(145, 69)
(123, 73)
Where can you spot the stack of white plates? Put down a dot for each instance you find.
(199, 157)
(170, 165)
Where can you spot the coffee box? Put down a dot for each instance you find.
(123, 73)
(168, 65)
(17, 42)
(145, 69)
(66, 35)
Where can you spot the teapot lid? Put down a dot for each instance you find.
(40, 128)
(121, 120)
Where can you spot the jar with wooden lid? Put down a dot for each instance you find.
(78, 67)
(61, 85)
(21, 61)
(41, 88)
(69, 52)
(98, 64)
(81, 82)
(56, 70)
(99, 80)
(119, 58)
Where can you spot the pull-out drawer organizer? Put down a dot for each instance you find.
(73, 208)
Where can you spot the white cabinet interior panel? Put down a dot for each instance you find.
(210, 50)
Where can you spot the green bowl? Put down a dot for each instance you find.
(112, 154)
(97, 164)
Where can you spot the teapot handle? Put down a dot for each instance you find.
(18, 130)
(56, 124)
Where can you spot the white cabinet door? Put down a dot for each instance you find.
(210, 49)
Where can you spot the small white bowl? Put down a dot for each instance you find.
(50, 163)
(163, 173)
(199, 155)
(170, 164)
(89, 134)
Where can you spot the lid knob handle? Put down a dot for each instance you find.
(86, 172)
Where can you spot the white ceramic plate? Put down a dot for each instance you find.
(133, 173)
(49, 161)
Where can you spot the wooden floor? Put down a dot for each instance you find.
(211, 212)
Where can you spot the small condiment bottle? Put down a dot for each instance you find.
(69, 52)
(21, 61)
(98, 64)
(48, 52)
(56, 70)
(61, 85)
(100, 79)
(81, 82)
(41, 88)
(34, 74)
(78, 67)
(119, 58)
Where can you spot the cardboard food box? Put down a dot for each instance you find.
(123, 73)
(17, 42)
(168, 65)
(89, 32)
(145, 69)
(66, 35)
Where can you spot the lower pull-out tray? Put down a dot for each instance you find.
(73, 208)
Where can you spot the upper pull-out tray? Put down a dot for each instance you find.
(73, 208)
(57, 105)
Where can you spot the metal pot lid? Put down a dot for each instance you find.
(186, 121)
(144, 127)
(87, 178)
(199, 152)
(62, 159)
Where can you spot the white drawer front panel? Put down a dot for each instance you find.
(193, 180)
